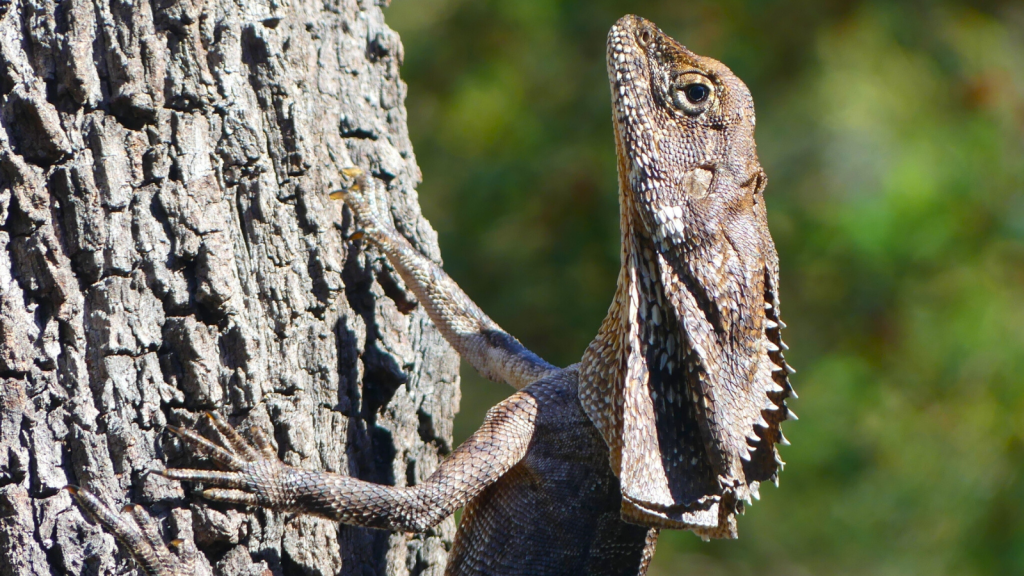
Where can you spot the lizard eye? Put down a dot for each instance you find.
(692, 94)
(697, 93)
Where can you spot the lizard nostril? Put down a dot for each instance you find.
(645, 36)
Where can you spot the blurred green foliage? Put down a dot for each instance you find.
(893, 138)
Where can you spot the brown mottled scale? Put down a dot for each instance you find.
(671, 418)
(557, 510)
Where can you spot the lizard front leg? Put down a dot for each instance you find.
(478, 339)
(254, 475)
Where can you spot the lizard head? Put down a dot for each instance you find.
(678, 115)
(701, 397)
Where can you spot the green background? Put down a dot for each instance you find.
(893, 139)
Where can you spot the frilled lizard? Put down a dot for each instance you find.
(671, 418)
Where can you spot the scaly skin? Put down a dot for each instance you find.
(671, 418)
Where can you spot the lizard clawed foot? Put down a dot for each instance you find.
(252, 475)
(136, 530)
(362, 197)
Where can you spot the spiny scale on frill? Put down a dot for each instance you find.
(765, 463)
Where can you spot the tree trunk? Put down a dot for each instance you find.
(167, 247)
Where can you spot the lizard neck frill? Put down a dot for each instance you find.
(685, 379)
(638, 385)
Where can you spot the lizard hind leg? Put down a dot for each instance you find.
(137, 532)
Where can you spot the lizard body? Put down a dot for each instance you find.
(670, 419)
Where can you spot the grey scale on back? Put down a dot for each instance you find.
(671, 418)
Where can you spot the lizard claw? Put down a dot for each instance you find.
(362, 197)
(349, 173)
(252, 473)
(352, 172)
(137, 531)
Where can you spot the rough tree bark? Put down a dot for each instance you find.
(167, 247)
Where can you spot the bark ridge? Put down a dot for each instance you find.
(167, 247)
